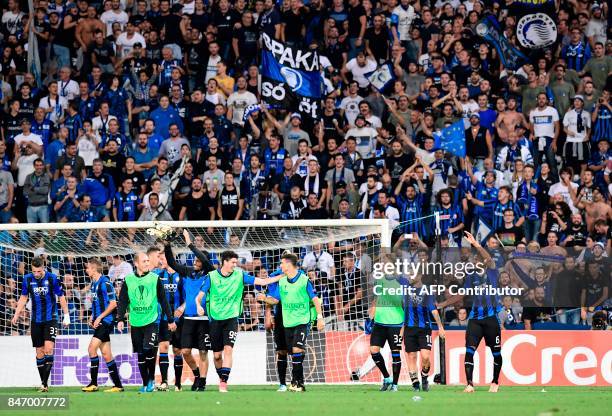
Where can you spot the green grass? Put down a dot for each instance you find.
(354, 400)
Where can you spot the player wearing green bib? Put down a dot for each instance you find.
(387, 311)
(223, 289)
(141, 295)
(296, 295)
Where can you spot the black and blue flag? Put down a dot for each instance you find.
(536, 27)
(488, 28)
(291, 78)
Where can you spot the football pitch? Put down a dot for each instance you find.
(321, 400)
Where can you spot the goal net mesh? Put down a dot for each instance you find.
(337, 257)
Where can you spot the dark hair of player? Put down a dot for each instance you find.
(291, 258)
(38, 262)
(228, 255)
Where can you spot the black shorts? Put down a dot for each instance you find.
(144, 337)
(295, 337)
(223, 333)
(103, 331)
(487, 328)
(416, 339)
(280, 342)
(165, 335)
(382, 334)
(43, 331)
(195, 334)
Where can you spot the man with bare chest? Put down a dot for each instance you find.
(508, 120)
(599, 209)
(87, 27)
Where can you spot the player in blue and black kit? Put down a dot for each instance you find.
(172, 283)
(103, 307)
(42, 287)
(274, 319)
(482, 320)
(195, 331)
(418, 308)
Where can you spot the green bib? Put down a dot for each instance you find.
(224, 299)
(389, 307)
(142, 292)
(296, 301)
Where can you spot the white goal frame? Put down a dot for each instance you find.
(384, 225)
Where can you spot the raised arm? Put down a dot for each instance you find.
(182, 270)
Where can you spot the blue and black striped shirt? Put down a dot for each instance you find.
(102, 293)
(411, 213)
(173, 286)
(485, 305)
(418, 307)
(42, 293)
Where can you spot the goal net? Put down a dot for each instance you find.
(337, 255)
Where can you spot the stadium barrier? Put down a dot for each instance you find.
(546, 358)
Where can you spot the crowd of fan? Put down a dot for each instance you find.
(140, 115)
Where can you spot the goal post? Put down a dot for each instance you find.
(337, 255)
(254, 234)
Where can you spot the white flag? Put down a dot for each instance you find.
(382, 77)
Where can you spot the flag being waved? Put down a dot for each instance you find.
(488, 28)
(451, 139)
(291, 78)
(382, 77)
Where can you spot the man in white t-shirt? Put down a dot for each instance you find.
(25, 163)
(365, 137)
(349, 106)
(563, 188)
(358, 67)
(118, 271)
(27, 138)
(577, 126)
(53, 104)
(468, 106)
(213, 59)
(115, 14)
(319, 259)
(245, 257)
(402, 18)
(66, 87)
(238, 101)
(126, 41)
(544, 126)
(12, 18)
(391, 213)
